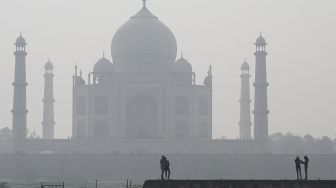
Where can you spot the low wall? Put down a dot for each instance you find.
(141, 146)
(238, 184)
(112, 167)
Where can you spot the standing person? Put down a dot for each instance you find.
(298, 168)
(167, 169)
(305, 163)
(162, 165)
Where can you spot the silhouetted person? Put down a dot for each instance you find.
(167, 169)
(162, 165)
(298, 168)
(305, 163)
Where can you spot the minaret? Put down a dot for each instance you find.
(48, 102)
(260, 88)
(19, 100)
(245, 108)
(208, 83)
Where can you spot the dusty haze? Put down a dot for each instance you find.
(301, 61)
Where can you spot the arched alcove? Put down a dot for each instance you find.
(182, 130)
(181, 106)
(80, 130)
(203, 131)
(80, 106)
(141, 117)
(101, 106)
(203, 106)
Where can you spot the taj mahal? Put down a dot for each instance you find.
(143, 100)
(138, 104)
(144, 93)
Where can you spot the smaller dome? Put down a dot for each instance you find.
(182, 65)
(21, 40)
(245, 66)
(103, 66)
(261, 40)
(80, 81)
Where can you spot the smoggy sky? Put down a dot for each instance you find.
(301, 63)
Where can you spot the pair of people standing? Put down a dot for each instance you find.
(165, 170)
(298, 163)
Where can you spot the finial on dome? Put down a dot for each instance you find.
(261, 40)
(103, 54)
(144, 2)
(20, 40)
(181, 54)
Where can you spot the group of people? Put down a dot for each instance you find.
(298, 163)
(165, 170)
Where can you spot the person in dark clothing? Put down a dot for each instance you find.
(162, 165)
(298, 168)
(305, 163)
(167, 169)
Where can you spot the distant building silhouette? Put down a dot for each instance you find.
(48, 102)
(260, 89)
(19, 100)
(145, 101)
(245, 101)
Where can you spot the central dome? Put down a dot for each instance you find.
(144, 39)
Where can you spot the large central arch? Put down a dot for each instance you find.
(142, 119)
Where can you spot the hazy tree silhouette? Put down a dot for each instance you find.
(294, 144)
(5, 134)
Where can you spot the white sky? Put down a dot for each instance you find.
(301, 62)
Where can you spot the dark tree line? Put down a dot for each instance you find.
(6, 134)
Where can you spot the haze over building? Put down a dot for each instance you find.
(245, 102)
(48, 122)
(144, 96)
(19, 100)
(142, 103)
(260, 88)
(144, 92)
